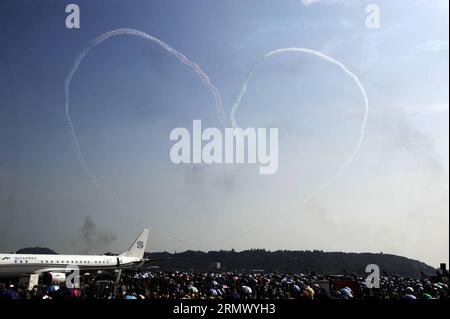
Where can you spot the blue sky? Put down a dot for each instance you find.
(128, 94)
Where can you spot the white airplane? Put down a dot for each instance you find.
(57, 266)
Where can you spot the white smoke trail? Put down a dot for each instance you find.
(321, 55)
(362, 129)
(182, 58)
(217, 97)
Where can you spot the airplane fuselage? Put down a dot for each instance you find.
(12, 265)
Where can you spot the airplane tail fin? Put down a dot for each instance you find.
(138, 248)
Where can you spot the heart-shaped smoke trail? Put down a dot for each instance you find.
(362, 129)
(218, 103)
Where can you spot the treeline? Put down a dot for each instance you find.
(329, 263)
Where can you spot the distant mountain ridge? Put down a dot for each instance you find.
(36, 250)
(328, 263)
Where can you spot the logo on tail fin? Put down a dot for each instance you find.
(137, 248)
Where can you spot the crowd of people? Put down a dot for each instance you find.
(229, 286)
